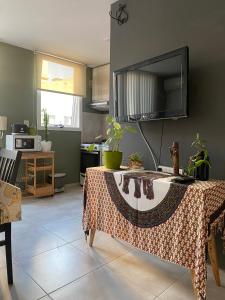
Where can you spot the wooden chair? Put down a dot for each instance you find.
(9, 165)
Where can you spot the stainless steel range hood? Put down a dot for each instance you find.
(100, 105)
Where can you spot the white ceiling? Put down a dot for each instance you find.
(74, 29)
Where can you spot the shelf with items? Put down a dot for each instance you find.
(37, 166)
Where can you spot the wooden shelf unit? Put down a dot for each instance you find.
(33, 167)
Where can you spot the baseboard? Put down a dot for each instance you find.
(73, 184)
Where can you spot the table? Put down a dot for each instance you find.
(10, 203)
(146, 209)
(36, 162)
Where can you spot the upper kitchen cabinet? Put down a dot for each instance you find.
(100, 83)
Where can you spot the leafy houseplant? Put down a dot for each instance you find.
(46, 122)
(113, 157)
(135, 161)
(46, 144)
(199, 164)
(115, 133)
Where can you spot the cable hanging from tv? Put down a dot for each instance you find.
(148, 146)
(121, 15)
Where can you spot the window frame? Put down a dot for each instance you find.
(55, 128)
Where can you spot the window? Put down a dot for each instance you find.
(64, 110)
(60, 85)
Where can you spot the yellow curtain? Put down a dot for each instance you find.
(58, 75)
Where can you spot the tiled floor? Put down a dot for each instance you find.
(52, 261)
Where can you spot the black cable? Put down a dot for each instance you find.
(121, 15)
(161, 142)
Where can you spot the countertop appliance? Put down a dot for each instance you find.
(90, 158)
(156, 88)
(19, 129)
(23, 142)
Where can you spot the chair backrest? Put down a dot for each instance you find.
(9, 165)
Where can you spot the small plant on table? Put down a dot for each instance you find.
(199, 163)
(135, 161)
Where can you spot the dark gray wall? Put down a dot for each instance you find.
(159, 26)
(17, 102)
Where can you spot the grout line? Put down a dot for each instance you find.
(35, 255)
(90, 272)
(174, 282)
(34, 281)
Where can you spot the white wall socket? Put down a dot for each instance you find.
(26, 122)
(167, 169)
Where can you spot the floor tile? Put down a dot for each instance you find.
(182, 289)
(102, 284)
(53, 269)
(68, 230)
(105, 248)
(34, 242)
(146, 272)
(23, 288)
(21, 227)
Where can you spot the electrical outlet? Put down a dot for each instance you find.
(26, 122)
(167, 169)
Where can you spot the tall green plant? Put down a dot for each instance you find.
(115, 133)
(46, 122)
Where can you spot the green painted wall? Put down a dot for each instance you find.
(17, 103)
(16, 83)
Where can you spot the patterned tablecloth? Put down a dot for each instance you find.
(10, 203)
(156, 215)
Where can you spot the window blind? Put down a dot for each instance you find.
(58, 75)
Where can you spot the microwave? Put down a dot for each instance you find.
(23, 142)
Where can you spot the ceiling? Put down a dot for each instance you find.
(74, 29)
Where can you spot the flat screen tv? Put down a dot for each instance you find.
(156, 88)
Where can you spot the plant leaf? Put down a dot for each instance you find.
(110, 119)
(91, 148)
(117, 125)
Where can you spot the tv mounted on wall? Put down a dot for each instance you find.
(156, 88)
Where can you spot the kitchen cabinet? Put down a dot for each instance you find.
(100, 83)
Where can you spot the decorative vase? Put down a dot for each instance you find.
(202, 172)
(46, 146)
(135, 165)
(112, 159)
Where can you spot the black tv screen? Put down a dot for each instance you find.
(156, 88)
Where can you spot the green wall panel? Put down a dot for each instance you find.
(17, 103)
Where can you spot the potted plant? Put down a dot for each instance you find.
(46, 145)
(135, 161)
(115, 133)
(112, 158)
(199, 164)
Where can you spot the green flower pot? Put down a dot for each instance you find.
(112, 159)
